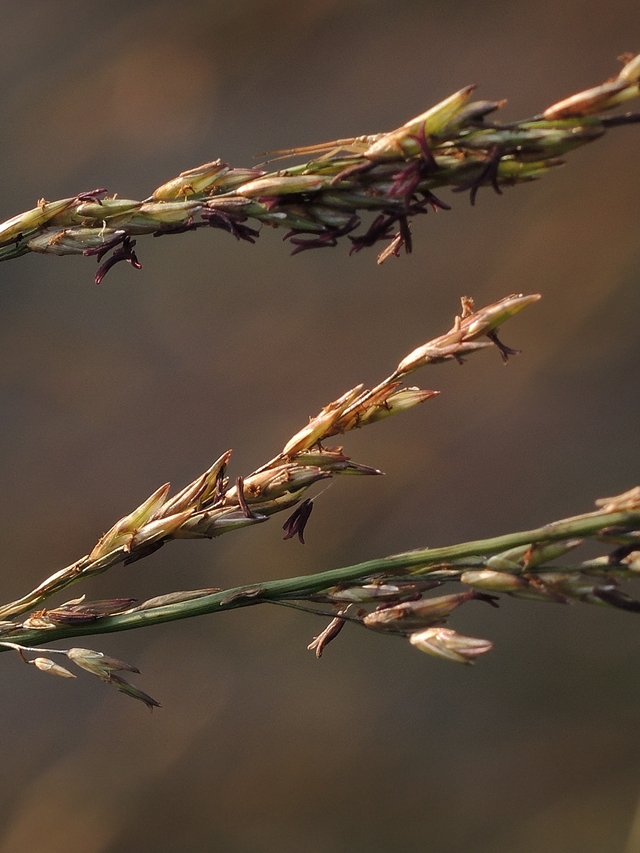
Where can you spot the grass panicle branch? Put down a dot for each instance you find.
(389, 595)
(213, 505)
(96, 663)
(392, 176)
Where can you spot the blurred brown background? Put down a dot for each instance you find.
(107, 392)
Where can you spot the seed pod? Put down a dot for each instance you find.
(418, 614)
(447, 644)
(404, 141)
(196, 494)
(321, 425)
(631, 71)
(154, 216)
(275, 185)
(470, 114)
(399, 401)
(98, 663)
(47, 665)
(208, 524)
(275, 482)
(591, 100)
(28, 221)
(493, 581)
(160, 528)
(229, 181)
(98, 212)
(121, 532)
(193, 181)
(492, 316)
(72, 241)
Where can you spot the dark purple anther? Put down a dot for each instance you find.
(92, 195)
(242, 500)
(232, 224)
(505, 351)
(124, 252)
(189, 225)
(326, 239)
(380, 229)
(488, 173)
(297, 521)
(407, 180)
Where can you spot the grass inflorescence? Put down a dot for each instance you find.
(393, 177)
(387, 178)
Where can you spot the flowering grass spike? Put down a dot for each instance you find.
(393, 176)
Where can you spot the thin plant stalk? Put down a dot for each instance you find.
(445, 564)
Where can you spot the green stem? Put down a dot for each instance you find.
(419, 563)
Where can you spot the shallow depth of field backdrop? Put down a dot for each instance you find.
(107, 392)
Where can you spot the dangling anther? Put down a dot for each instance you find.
(505, 351)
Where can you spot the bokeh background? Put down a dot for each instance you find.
(107, 392)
